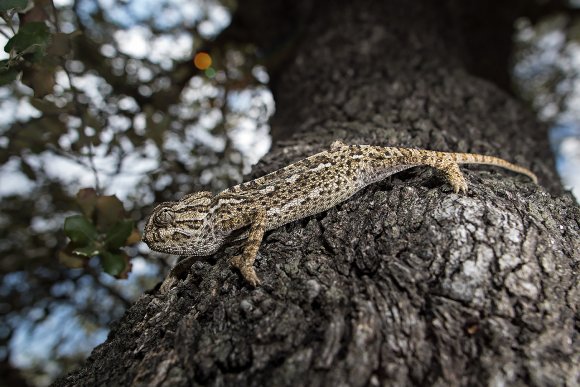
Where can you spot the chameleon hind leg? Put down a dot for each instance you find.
(452, 173)
(245, 262)
(437, 160)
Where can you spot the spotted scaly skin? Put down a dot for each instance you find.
(200, 223)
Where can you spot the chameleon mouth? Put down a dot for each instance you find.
(161, 247)
(152, 242)
(164, 249)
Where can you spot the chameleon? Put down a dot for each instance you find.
(200, 223)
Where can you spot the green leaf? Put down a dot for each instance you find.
(114, 263)
(39, 78)
(87, 251)
(109, 211)
(6, 5)
(4, 64)
(31, 37)
(118, 234)
(80, 230)
(87, 200)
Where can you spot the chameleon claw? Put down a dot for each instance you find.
(247, 271)
(456, 178)
(460, 188)
(250, 276)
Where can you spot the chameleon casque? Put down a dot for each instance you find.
(200, 223)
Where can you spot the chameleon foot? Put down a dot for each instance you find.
(455, 177)
(246, 270)
(459, 184)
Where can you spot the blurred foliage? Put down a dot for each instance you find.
(104, 94)
(546, 74)
(547, 64)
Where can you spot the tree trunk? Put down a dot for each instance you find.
(407, 283)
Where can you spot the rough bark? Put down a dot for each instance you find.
(407, 283)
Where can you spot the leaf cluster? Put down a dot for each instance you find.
(101, 230)
(34, 50)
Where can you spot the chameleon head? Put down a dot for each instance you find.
(182, 227)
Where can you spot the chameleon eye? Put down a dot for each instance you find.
(164, 217)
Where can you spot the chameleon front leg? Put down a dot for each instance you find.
(245, 261)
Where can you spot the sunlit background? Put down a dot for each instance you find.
(546, 74)
(146, 104)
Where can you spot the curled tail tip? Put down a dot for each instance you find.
(496, 161)
(531, 175)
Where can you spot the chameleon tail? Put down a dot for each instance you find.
(470, 158)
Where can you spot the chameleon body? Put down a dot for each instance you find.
(200, 223)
